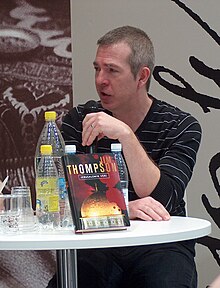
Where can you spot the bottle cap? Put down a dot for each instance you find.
(70, 149)
(50, 115)
(46, 149)
(116, 147)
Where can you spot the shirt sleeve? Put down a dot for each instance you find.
(177, 164)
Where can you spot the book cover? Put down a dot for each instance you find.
(96, 199)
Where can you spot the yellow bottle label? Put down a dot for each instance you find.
(53, 203)
(49, 184)
(47, 194)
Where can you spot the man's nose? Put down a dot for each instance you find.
(101, 78)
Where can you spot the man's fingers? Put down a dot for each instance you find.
(89, 132)
(139, 214)
(159, 209)
(148, 209)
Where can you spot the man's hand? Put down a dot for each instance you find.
(101, 124)
(147, 209)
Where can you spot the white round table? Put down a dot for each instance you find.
(139, 233)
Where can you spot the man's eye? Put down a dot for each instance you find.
(112, 70)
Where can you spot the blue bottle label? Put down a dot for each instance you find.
(62, 187)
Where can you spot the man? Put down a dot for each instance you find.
(160, 143)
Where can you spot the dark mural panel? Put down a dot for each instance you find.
(35, 76)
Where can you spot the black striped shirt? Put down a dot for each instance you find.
(170, 137)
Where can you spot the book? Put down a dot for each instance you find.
(95, 195)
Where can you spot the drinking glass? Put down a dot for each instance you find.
(25, 191)
(10, 213)
(27, 221)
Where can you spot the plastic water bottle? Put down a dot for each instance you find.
(67, 219)
(47, 191)
(51, 135)
(116, 149)
(70, 149)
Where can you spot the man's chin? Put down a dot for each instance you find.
(106, 104)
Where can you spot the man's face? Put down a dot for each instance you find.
(114, 81)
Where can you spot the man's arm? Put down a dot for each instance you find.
(165, 181)
(147, 178)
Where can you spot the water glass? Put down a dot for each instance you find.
(26, 192)
(10, 213)
(28, 221)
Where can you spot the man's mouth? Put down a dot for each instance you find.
(104, 94)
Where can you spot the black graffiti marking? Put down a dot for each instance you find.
(187, 91)
(212, 211)
(204, 70)
(204, 101)
(213, 167)
(212, 244)
(196, 17)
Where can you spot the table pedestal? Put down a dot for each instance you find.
(67, 268)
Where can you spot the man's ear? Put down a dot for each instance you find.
(143, 76)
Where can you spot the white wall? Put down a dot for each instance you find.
(176, 36)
